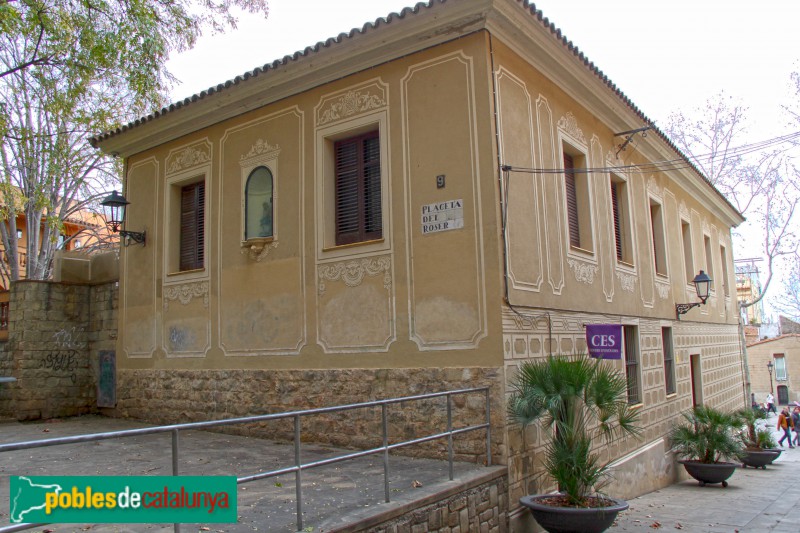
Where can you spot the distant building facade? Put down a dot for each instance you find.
(784, 379)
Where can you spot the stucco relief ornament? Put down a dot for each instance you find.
(627, 281)
(186, 292)
(569, 124)
(683, 210)
(663, 290)
(352, 103)
(653, 187)
(258, 251)
(189, 157)
(353, 272)
(262, 147)
(584, 272)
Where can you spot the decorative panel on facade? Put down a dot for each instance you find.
(262, 281)
(524, 234)
(139, 302)
(446, 294)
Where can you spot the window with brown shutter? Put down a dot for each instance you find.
(572, 202)
(192, 234)
(617, 222)
(358, 215)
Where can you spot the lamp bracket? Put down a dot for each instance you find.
(135, 236)
(682, 309)
(629, 137)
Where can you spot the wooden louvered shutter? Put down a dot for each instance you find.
(617, 227)
(193, 210)
(572, 202)
(358, 189)
(373, 221)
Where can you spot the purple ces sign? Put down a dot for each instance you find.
(604, 340)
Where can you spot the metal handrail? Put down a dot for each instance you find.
(299, 466)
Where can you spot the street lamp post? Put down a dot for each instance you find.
(770, 366)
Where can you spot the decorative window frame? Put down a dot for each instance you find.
(326, 185)
(689, 274)
(657, 200)
(708, 254)
(571, 145)
(725, 274)
(172, 190)
(262, 154)
(623, 266)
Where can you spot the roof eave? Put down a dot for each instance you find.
(386, 40)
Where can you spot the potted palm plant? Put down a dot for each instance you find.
(579, 400)
(705, 439)
(759, 444)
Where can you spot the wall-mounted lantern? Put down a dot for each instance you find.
(114, 210)
(702, 284)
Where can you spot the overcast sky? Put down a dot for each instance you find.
(664, 55)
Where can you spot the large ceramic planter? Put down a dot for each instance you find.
(573, 519)
(758, 458)
(711, 473)
(776, 451)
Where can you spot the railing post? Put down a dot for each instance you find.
(488, 429)
(385, 420)
(175, 441)
(298, 476)
(450, 436)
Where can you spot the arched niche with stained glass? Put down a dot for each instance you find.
(259, 209)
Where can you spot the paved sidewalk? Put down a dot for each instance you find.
(755, 501)
(331, 494)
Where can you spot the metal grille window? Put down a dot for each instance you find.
(669, 360)
(358, 189)
(632, 364)
(192, 235)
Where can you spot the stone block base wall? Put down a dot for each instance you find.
(480, 506)
(55, 332)
(176, 396)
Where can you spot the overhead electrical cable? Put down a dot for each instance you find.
(667, 164)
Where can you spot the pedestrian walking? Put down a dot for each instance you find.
(770, 403)
(796, 423)
(784, 424)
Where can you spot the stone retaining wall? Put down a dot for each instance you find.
(175, 396)
(55, 334)
(479, 507)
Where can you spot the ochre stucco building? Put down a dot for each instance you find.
(783, 352)
(388, 213)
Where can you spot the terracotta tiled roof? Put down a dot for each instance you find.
(368, 27)
(773, 339)
(259, 71)
(375, 26)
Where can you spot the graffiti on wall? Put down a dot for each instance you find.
(64, 358)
